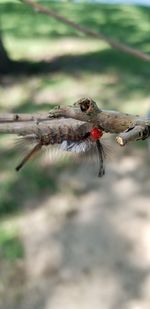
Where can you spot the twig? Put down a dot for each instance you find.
(131, 127)
(6, 118)
(136, 133)
(80, 119)
(113, 43)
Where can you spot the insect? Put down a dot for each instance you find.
(90, 143)
(76, 129)
(81, 141)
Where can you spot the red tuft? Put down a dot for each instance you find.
(96, 134)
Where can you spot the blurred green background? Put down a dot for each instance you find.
(51, 64)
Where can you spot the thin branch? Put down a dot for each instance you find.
(136, 133)
(8, 117)
(130, 127)
(113, 43)
(87, 110)
(77, 121)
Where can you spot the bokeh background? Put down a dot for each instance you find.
(68, 239)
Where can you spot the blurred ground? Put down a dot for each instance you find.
(68, 239)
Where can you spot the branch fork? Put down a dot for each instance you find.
(129, 127)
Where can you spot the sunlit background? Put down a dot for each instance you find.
(68, 239)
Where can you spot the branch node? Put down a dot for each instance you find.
(133, 134)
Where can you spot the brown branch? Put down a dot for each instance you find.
(131, 127)
(135, 134)
(80, 118)
(87, 110)
(8, 117)
(114, 44)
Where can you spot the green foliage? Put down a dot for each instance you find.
(32, 183)
(9, 1)
(126, 23)
(11, 248)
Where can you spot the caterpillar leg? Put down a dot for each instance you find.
(101, 171)
(36, 148)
